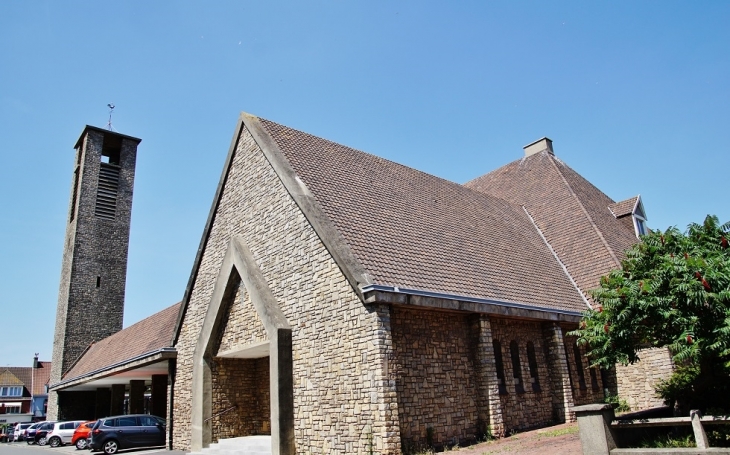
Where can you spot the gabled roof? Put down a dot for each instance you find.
(15, 376)
(145, 337)
(571, 212)
(41, 376)
(413, 230)
(624, 208)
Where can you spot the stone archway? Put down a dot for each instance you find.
(239, 266)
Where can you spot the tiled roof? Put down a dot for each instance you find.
(571, 212)
(623, 208)
(42, 376)
(16, 376)
(146, 336)
(413, 230)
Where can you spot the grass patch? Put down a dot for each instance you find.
(558, 432)
(668, 442)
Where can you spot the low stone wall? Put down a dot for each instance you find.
(635, 383)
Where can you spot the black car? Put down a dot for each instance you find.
(40, 434)
(114, 433)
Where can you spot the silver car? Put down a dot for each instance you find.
(62, 432)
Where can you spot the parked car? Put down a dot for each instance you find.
(80, 437)
(41, 433)
(125, 432)
(29, 434)
(6, 433)
(62, 432)
(19, 432)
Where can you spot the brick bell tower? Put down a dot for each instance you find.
(94, 268)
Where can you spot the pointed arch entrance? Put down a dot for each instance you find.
(239, 268)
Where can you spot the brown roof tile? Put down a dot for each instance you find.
(571, 212)
(413, 230)
(42, 375)
(15, 376)
(623, 208)
(146, 336)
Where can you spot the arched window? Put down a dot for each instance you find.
(579, 367)
(516, 367)
(532, 361)
(500, 366)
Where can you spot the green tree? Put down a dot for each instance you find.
(673, 290)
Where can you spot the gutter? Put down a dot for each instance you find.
(462, 298)
(168, 350)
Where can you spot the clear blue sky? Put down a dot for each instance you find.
(634, 95)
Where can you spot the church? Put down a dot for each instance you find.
(343, 303)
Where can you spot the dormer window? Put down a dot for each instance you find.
(11, 391)
(639, 218)
(635, 208)
(640, 226)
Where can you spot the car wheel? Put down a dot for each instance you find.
(81, 443)
(111, 447)
(54, 441)
(42, 441)
(30, 442)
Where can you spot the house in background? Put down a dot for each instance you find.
(39, 390)
(343, 303)
(23, 392)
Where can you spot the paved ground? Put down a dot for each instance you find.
(555, 440)
(22, 448)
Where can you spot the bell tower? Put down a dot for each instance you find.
(94, 267)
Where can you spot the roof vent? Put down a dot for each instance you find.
(538, 146)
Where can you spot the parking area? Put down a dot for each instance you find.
(22, 448)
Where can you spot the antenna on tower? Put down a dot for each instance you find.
(111, 110)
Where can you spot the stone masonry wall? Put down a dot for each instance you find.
(93, 273)
(527, 407)
(243, 384)
(587, 382)
(436, 381)
(342, 389)
(635, 383)
(241, 324)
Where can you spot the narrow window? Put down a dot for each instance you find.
(75, 193)
(108, 186)
(532, 362)
(500, 367)
(516, 367)
(111, 150)
(594, 380)
(579, 367)
(98, 281)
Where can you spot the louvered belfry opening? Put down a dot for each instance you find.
(106, 193)
(107, 190)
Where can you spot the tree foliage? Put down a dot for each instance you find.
(673, 290)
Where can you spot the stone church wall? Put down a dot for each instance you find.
(241, 384)
(341, 387)
(587, 382)
(241, 324)
(435, 378)
(527, 406)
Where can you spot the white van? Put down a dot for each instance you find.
(19, 431)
